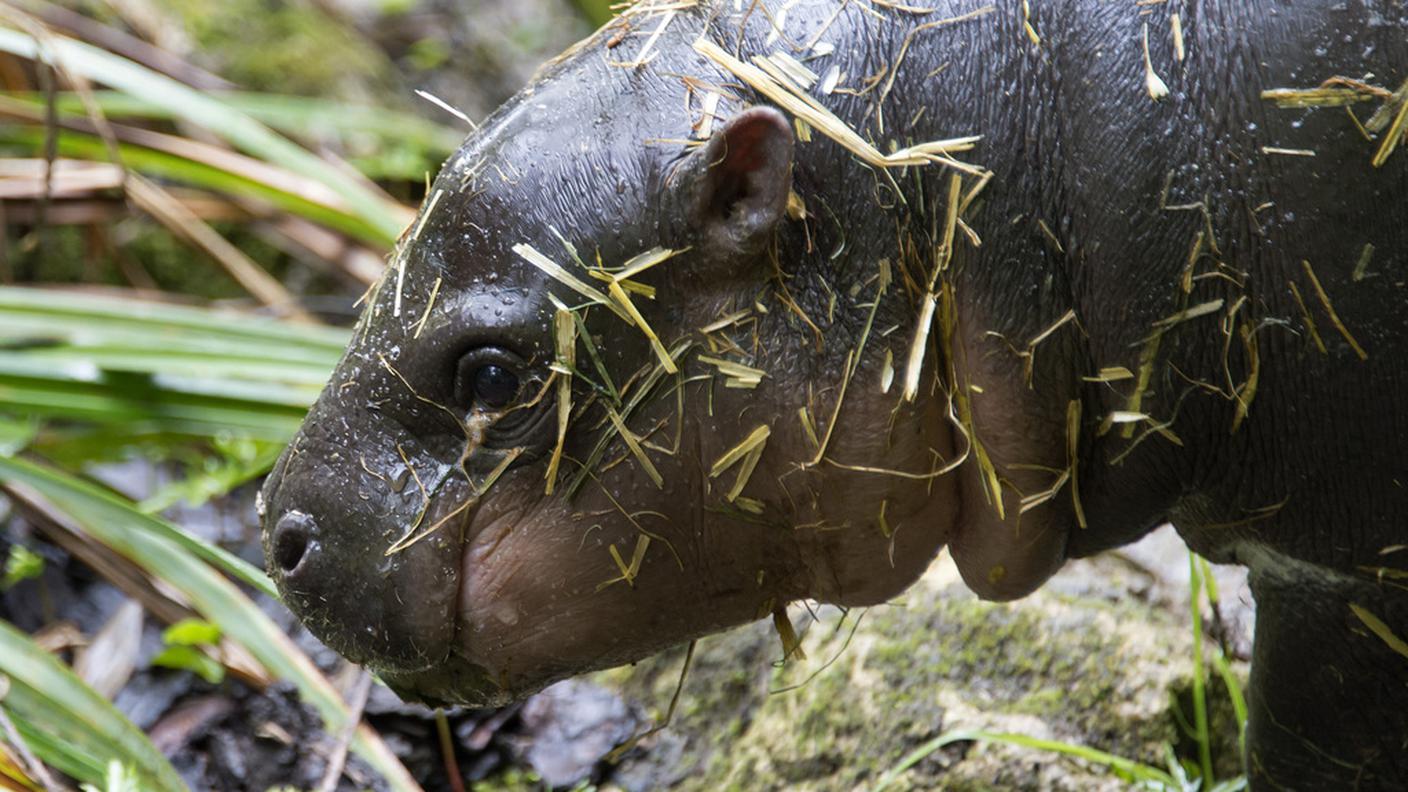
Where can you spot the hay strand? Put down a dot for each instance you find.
(553, 270)
(633, 443)
(822, 119)
(1330, 309)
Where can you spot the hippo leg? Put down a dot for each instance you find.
(1329, 683)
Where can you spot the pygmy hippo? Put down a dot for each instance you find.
(743, 303)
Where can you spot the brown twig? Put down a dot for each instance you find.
(447, 751)
(357, 701)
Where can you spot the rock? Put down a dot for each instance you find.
(1086, 660)
(567, 728)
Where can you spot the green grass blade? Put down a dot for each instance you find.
(146, 407)
(157, 367)
(1239, 701)
(51, 309)
(69, 724)
(71, 315)
(297, 116)
(194, 106)
(90, 505)
(149, 162)
(165, 552)
(1200, 700)
(917, 755)
(1127, 768)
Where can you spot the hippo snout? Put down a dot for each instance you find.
(330, 545)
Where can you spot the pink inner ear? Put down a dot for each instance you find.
(744, 150)
(743, 178)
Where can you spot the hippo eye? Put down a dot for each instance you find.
(495, 387)
(488, 378)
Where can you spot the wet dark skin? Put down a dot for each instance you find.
(1158, 241)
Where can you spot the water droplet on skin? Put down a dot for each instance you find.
(504, 612)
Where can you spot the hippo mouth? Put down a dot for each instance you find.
(460, 677)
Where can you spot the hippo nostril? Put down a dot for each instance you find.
(291, 539)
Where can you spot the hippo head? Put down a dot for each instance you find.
(532, 463)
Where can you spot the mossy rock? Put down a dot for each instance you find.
(1083, 661)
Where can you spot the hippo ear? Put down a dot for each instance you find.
(737, 183)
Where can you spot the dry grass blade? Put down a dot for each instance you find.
(1193, 312)
(1330, 309)
(637, 395)
(738, 375)
(725, 321)
(619, 751)
(1027, 25)
(920, 343)
(1073, 411)
(917, 29)
(447, 107)
(633, 443)
(1110, 374)
(1397, 130)
(1246, 392)
(25, 179)
(429, 305)
(755, 440)
(1308, 319)
(1153, 83)
(796, 71)
(791, 644)
(399, 264)
(628, 571)
(531, 255)
(915, 363)
(809, 110)
(357, 701)
(484, 486)
(624, 300)
(1361, 267)
(804, 417)
(1380, 629)
(835, 412)
(180, 220)
(565, 339)
(1316, 97)
(644, 261)
(745, 472)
